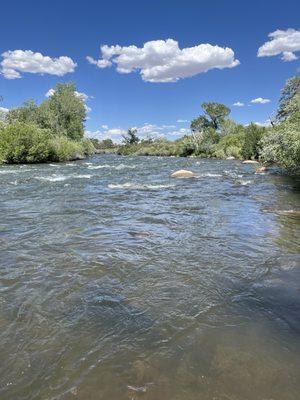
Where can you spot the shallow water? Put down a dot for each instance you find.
(118, 282)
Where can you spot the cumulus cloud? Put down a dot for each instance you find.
(264, 123)
(17, 62)
(144, 131)
(238, 104)
(164, 61)
(281, 42)
(260, 100)
(4, 110)
(84, 97)
(181, 121)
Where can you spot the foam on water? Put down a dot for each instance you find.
(116, 167)
(135, 186)
(60, 178)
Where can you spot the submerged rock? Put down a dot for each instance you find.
(183, 173)
(250, 162)
(141, 234)
(261, 170)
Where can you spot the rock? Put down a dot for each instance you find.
(183, 173)
(261, 170)
(141, 234)
(250, 162)
(230, 158)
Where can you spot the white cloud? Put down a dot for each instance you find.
(238, 104)
(181, 121)
(4, 110)
(16, 62)
(260, 100)
(82, 96)
(281, 42)
(164, 61)
(115, 134)
(265, 123)
(144, 131)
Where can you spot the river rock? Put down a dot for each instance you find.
(250, 162)
(261, 170)
(230, 158)
(183, 173)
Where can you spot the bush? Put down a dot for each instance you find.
(24, 143)
(230, 146)
(27, 143)
(251, 146)
(64, 149)
(281, 145)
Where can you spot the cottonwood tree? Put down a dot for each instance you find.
(131, 137)
(289, 102)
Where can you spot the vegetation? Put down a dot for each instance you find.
(213, 134)
(54, 131)
(51, 131)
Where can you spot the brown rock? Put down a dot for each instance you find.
(183, 173)
(261, 170)
(250, 162)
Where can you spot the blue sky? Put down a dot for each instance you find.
(121, 100)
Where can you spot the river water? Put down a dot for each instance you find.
(118, 282)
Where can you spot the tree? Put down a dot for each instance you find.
(252, 141)
(200, 124)
(289, 102)
(27, 113)
(217, 112)
(131, 137)
(215, 116)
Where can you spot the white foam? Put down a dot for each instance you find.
(135, 186)
(244, 183)
(60, 178)
(209, 175)
(116, 167)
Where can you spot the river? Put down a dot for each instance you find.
(118, 282)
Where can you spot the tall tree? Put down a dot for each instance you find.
(217, 112)
(289, 102)
(215, 116)
(131, 137)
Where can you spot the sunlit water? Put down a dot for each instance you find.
(118, 282)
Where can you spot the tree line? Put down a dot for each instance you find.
(214, 134)
(51, 131)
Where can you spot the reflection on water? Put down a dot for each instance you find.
(118, 282)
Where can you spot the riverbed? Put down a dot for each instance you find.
(118, 282)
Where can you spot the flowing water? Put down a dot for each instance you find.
(118, 282)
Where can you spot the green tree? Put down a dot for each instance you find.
(217, 112)
(252, 141)
(289, 102)
(215, 116)
(131, 137)
(27, 113)
(64, 113)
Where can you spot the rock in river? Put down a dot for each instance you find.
(250, 162)
(183, 173)
(261, 170)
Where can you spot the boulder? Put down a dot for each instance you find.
(230, 158)
(250, 162)
(260, 170)
(183, 173)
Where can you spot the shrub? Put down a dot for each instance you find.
(281, 145)
(24, 143)
(64, 149)
(251, 146)
(230, 145)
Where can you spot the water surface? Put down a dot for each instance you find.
(118, 282)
